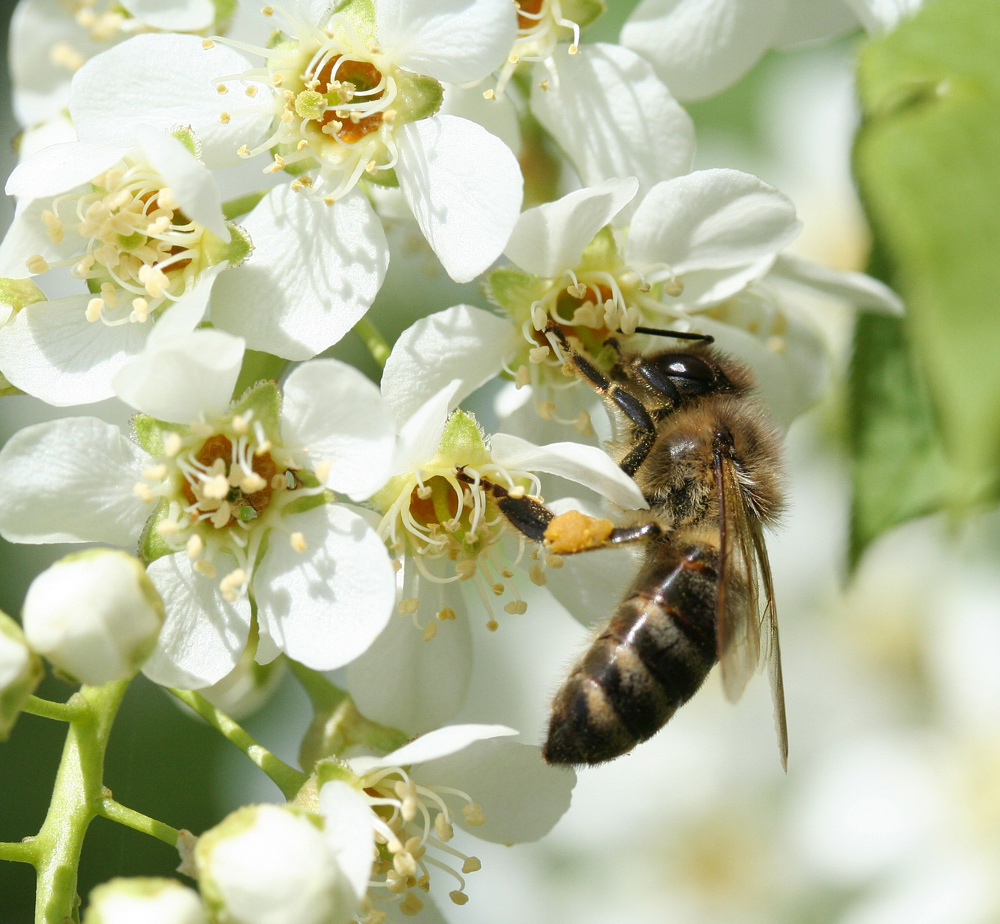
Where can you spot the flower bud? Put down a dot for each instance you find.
(20, 671)
(151, 901)
(95, 615)
(265, 864)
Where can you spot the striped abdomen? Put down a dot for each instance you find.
(650, 659)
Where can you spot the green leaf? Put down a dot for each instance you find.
(899, 468)
(926, 161)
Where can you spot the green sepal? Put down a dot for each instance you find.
(240, 246)
(263, 400)
(361, 15)
(307, 502)
(186, 137)
(7, 389)
(19, 293)
(152, 545)
(278, 38)
(583, 12)
(602, 252)
(331, 769)
(418, 96)
(296, 167)
(463, 441)
(224, 10)
(148, 433)
(385, 178)
(514, 290)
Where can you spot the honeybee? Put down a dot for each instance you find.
(708, 463)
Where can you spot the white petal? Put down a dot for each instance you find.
(204, 635)
(165, 80)
(41, 90)
(464, 187)
(457, 41)
(51, 351)
(459, 342)
(27, 237)
(592, 584)
(710, 286)
(521, 796)
(586, 465)
(336, 413)
(184, 315)
(347, 825)
(407, 683)
(173, 15)
(710, 219)
(854, 288)
(57, 130)
(435, 744)
(498, 116)
(613, 116)
(326, 605)
(313, 274)
(71, 480)
(420, 433)
(191, 182)
(700, 47)
(178, 381)
(549, 239)
(61, 167)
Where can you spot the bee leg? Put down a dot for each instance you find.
(524, 513)
(617, 397)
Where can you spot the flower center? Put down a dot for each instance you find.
(412, 828)
(135, 241)
(442, 522)
(221, 488)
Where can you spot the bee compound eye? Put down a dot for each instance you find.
(674, 374)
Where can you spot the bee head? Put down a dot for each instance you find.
(681, 374)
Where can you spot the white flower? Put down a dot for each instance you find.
(51, 39)
(700, 253)
(269, 864)
(407, 804)
(345, 99)
(151, 901)
(701, 48)
(612, 116)
(142, 229)
(443, 522)
(20, 671)
(235, 499)
(95, 615)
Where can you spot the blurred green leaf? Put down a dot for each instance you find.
(926, 159)
(898, 470)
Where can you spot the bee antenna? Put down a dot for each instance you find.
(680, 335)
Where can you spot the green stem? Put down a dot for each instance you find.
(76, 798)
(338, 726)
(241, 205)
(60, 712)
(373, 340)
(286, 778)
(23, 852)
(115, 811)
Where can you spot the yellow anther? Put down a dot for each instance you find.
(442, 828)
(459, 898)
(489, 94)
(471, 865)
(407, 606)
(95, 307)
(298, 542)
(516, 607)
(221, 89)
(205, 567)
(224, 118)
(155, 472)
(37, 264)
(172, 444)
(473, 814)
(492, 625)
(536, 574)
(195, 546)
(446, 613)
(207, 43)
(430, 630)
(143, 492)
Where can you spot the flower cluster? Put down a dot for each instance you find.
(207, 199)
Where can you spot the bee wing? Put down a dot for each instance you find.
(746, 622)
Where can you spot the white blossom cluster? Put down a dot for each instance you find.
(199, 179)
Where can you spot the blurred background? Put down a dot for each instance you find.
(890, 810)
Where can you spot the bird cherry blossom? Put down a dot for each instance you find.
(233, 500)
(141, 227)
(408, 804)
(342, 97)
